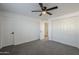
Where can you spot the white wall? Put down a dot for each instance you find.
(65, 30)
(25, 28)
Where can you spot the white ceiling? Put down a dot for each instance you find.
(26, 9)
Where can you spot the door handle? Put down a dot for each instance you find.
(12, 33)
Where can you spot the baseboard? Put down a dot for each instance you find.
(26, 42)
(6, 46)
(77, 47)
(19, 43)
(66, 44)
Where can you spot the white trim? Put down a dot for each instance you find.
(49, 29)
(66, 16)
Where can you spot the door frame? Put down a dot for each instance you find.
(42, 32)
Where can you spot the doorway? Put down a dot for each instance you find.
(44, 30)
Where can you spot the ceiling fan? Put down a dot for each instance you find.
(44, 10)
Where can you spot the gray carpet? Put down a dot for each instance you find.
(40, 47)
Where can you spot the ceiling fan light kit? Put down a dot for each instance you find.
(44, 12)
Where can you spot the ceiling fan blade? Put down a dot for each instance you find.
(49, 13)
(52, 8)
(41, 5)
(40, 14)
(36, 11)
